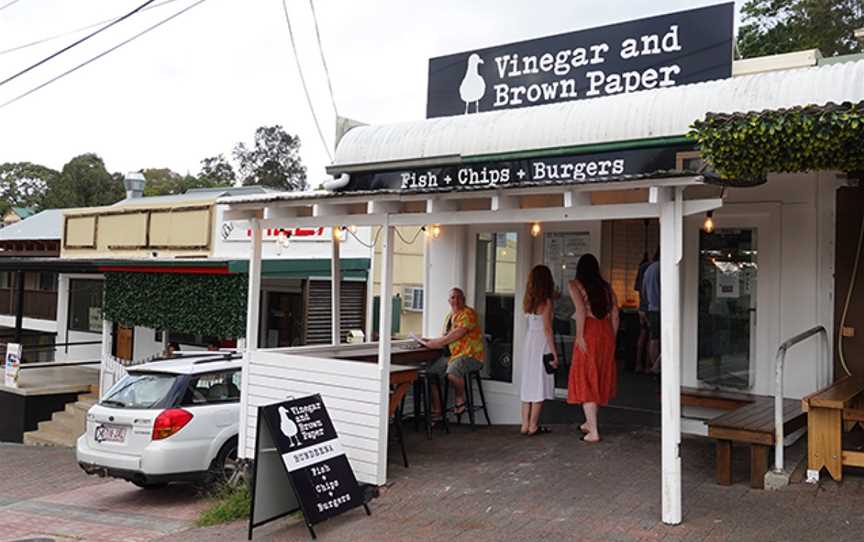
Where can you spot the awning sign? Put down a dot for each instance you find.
(577, 169)
(240, 232)
(657, 52)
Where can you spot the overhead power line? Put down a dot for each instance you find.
(323, 61)
(75, 43)
(303, 82)
(100, 55)
(4, 6)
(75, 31)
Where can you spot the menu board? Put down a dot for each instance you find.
(298, 448)
(562, 251)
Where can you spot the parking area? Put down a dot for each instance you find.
(45, 496)
(486, 485)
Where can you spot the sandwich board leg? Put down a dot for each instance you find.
(311, 531)
(368, 512)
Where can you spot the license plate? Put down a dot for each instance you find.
(107, 433)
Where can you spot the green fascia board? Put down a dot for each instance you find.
(669, 141)
(351, 267)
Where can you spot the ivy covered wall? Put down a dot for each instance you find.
(186, 303)
(747, 146)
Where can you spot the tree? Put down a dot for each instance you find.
(217, 171)
(772, 27)
(273, 161)
(23, 184)
(84, 182)
(162, 182)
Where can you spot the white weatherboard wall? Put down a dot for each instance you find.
(351, 392)
(795, 287)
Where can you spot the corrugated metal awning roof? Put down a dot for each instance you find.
(39, 227)
(621, 118)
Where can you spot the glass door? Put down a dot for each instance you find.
(495, 300)
(728, 268)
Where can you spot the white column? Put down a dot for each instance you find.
(104, 381)
(384, 325)
(335, 291)
(370, 288)
(671, 250)
(252, 314)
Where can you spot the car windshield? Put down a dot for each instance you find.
(139, 390)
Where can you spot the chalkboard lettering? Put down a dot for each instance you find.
(312, 456)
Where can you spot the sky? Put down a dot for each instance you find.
(204, 81)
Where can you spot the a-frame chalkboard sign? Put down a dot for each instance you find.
(300, 465)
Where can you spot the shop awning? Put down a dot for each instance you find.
(655, 117)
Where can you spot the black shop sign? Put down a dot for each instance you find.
(577, 169)
(300, 465)
(657, 52)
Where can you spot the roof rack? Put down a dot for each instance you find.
(219, 356)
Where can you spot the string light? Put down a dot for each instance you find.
(339, 233)
(708, 225)
(435, 231)
(535, 229)
(352, 228)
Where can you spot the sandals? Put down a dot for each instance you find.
(539, 431)
(590, 441)
(459, 408)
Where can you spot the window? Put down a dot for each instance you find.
(6, 279)
(85, 305)
(212, 388)
(48, 282)
(140, 390)
(412, 298)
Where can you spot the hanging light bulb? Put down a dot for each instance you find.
(708, 225)
(339, 233)
(435, 231)
(535, 229)
(352, 228)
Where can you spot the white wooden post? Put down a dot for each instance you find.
(370, 289)
(384, 325)
(671, 243)
(252, 314)
(104, 381)
(335, 291)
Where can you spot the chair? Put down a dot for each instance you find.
(422, 395)
(396, 420)
(470, 406)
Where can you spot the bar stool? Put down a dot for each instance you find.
(422, 395)
(470, 407)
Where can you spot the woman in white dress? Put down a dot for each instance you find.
(537, 384)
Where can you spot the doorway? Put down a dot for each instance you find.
(728, 270)
(124, 341)
(284, 319)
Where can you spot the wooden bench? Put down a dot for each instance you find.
(830, 412)
(752, 424)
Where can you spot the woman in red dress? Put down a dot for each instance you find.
(592, 379)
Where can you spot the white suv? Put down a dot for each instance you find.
(167, 421)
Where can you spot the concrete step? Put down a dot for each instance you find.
(80, 405)
(72, 423)
(49, 437)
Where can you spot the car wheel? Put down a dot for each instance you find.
(225, 467)
(149, 485)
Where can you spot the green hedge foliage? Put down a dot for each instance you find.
(748, 146)
(186, 303)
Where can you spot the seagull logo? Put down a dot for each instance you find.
(473, 85)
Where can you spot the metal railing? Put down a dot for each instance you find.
(778, 388)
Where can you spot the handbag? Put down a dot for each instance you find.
(547, 363)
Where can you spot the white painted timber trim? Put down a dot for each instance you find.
(253, 297)
(671, 230)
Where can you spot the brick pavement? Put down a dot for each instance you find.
(494, 485)
(488, 485)
(43, 494)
